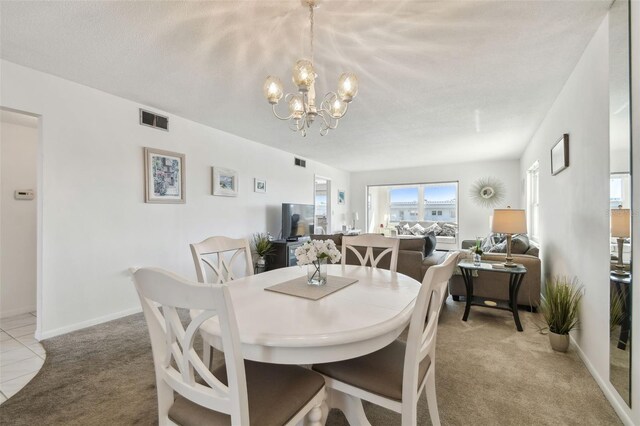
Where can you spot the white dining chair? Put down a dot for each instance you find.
(371, 242)
(237, 393)
(220, 254)
(394, 376)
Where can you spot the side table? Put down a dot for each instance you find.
(516, 274)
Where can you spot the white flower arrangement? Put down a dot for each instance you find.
(315, 250)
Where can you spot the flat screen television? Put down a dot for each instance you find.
(297, 220)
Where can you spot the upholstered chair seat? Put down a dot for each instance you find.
(275, 394)
(379, 372)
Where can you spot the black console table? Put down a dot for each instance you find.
(283, 255)
(516, 274)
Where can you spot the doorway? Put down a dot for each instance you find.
(19, 207)
(322, 201)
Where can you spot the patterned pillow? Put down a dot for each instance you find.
(404, 229)
(449, 230)
(435, 228)
(499, 248)
(417, 229)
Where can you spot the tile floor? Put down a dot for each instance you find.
(21, 356)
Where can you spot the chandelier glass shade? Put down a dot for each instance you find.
(303, 106)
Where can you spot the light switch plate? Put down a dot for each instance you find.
(24, 194)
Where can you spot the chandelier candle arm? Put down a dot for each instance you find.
(302, 106)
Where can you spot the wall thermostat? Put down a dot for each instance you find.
(24, 194)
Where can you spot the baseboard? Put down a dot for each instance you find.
(94, 321)
(17, 311)
(611, 395)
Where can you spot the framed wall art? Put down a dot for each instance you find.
(225, 182)
(259, 185)
(164, 173)
(560, 155)
(341, 196)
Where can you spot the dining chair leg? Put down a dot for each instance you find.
(206, 353)
(432, 402)
(350, 406)
(165, 400)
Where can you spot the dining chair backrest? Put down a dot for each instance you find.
(177, 364)
(370, 242)
(219, 254)
(421, 340)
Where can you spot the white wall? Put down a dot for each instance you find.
(473, 220)
(95, 224)
(18, 144)
(574, 205)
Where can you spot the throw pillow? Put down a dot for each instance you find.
(487, 243)
(417, 229)
(429, 243)
(448, 230)
(533, 251)
(435, 228)
(499, 248)
(519, 244)
(404, 229)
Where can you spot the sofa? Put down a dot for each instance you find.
(411, 255)
(445, 241)
(495, 285)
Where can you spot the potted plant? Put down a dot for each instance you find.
(263, 247)
(561, 310)
(477, 252)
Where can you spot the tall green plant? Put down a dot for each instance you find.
(616, 309)
(561, 306)
(262, 245)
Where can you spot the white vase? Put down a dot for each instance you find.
(317, 272)
(559, 342)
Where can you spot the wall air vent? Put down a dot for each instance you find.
(300, 162)
(148, 118)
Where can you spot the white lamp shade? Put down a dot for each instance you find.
(621, 223)
(355, 216)
(509, 221)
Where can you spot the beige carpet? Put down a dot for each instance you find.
(487, 374)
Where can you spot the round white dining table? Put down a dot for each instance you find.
(354, 321)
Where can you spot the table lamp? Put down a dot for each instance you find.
(355, 217)
(620, 229)
(509, 221)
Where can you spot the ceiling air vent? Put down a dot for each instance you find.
(300, 162)
(151, 119)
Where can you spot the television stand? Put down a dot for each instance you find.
(284, 253)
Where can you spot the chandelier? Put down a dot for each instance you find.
(303, 108)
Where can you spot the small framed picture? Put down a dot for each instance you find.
(225, 182)
(560, 155)
(259, 185)
(164, 176)
(341, 196)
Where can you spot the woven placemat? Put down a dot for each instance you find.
(298, 287)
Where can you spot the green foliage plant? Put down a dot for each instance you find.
(262, 245)
(561, 305)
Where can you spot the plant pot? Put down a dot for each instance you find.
(559, 342)
(261, 262)
(477, 259)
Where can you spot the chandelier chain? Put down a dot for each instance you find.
(311, 29)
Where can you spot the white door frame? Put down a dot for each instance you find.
(39, 207)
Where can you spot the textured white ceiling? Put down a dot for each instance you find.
(440, 81)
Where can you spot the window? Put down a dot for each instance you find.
(533, 200)
(620, 190)
(392, 204)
